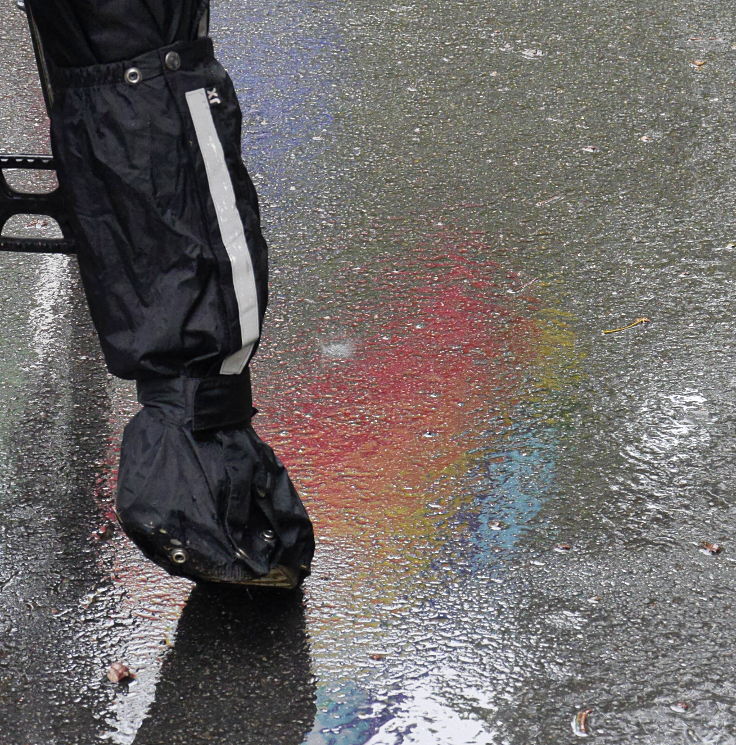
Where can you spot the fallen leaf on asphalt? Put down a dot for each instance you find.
(628, 326)
(580, 725)
(710, 548)
(680, 706)
(118, 672)
(563, 547)
(103, 532)
(698, 62)
(378, 656)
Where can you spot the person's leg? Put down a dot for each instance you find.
(148, 154)
(88, 32)
(147, 145)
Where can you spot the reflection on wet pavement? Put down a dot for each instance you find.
(510, 505)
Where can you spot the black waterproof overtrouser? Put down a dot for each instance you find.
(145, 131)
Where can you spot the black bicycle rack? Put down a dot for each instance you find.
(49, 204)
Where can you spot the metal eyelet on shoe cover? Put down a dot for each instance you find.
(178, 556)
(268, 535)
(133, 76)
(172, 60)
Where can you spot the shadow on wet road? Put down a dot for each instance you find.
(255, 646)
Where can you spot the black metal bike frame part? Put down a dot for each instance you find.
(41, 61)
(51, 204)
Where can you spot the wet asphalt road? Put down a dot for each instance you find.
(509, 503)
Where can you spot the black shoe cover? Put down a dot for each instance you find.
(202, 495)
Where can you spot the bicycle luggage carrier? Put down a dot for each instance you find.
(50, 204)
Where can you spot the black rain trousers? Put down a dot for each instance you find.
(146, 135)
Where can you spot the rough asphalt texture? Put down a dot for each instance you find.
(460, 198)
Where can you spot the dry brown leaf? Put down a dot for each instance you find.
(118, 672)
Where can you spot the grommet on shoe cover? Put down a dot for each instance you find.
(133, 76)
(202, 403)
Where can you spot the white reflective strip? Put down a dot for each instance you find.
(231, 229)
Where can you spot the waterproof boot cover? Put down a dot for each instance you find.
(146, 135)
(201, 494)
